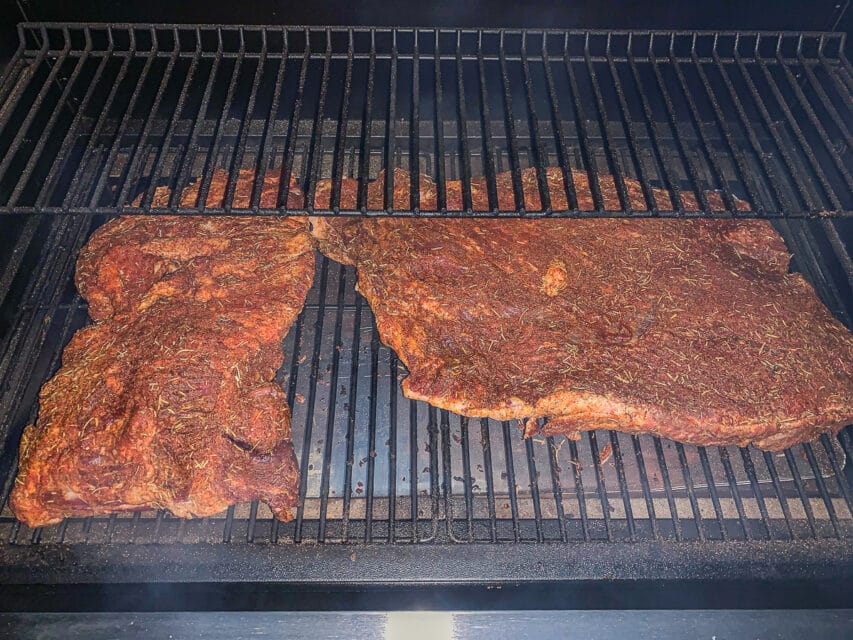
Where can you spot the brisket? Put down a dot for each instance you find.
(167, 401)
(689, 329)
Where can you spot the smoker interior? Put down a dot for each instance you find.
(395, 491)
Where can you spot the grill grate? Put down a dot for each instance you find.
(378, 468)
(90, 121)
(96, 114)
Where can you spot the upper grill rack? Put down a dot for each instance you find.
(94, 115)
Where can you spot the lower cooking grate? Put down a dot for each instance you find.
(378, 468)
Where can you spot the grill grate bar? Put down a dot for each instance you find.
(580, 494)
(735, 491)
(557, 125)
(351, 426)
(780, 495)
(486, 121)
(392, 452)
(413, 468)
(415, 129)
(264, 159)
(242, 135)
(539, 156)
(293, 129)
(253, 520)
(115, 148)
(583, 135)
(533, 477)
(160, 159)
(315, 153)
(830, 108)
(623, 486)
(440, 177)
(135, 166)
(464, 153)
(818, 127)
(229, 524)
(338, 173)
(213, 156)
(443, 57)
(186, 155)
(798, 483)
(509, 123)
(624, 111)
(511, 481)
(670, 183)
(364, 157)
(613, 162)
(692, 171)
(325, 477)
(600, 485)
(467, 477)
(371, 438)
(712, 155)
(31, 110)
(644, 483)
(712, 490)
(14, 66)
(554, 467)
(48, 132)
(822, 489)
(391, 120)
(432, 428)
(311, 400)
(447, 473)
(691, 493)
(485, 442)
(749, 468)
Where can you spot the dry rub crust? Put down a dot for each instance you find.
(691, 330)
(168, 400)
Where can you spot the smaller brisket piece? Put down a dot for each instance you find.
(168, 400)
(689, 329)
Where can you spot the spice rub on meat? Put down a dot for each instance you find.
(689, 329)
(168, 400)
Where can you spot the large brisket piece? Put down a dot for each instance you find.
(689, 329)
(168, 400)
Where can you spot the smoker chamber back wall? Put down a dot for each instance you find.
(94, 116)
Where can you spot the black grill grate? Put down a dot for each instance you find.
(378, 468)
(96, 114)
(91, 125)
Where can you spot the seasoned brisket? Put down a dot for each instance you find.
(168, 400)
(689, 329)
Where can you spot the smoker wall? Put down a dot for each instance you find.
(612, 14)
